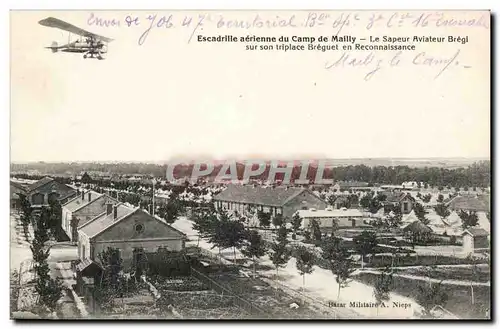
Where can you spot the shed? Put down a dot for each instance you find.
(475, 240)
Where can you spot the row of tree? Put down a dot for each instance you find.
(49, 290)
(475, 175)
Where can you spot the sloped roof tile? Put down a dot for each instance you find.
(277, 197)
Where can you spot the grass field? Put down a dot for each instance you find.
(452, 273)
(459, 297)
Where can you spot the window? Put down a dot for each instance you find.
(278, 211)
(405, 206)
(139, 228)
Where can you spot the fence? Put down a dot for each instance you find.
(220, 288)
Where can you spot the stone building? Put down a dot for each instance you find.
(81, 209)
(41, 192)
(129, 230)
(283, 201)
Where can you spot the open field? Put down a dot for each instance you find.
(459, 297)
(451, 273)
(274, 302)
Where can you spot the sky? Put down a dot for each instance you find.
(171, 98)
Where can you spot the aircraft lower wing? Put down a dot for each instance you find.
(59, 24)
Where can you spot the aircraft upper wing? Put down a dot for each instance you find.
(57, 23)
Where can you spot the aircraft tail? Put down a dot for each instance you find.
(54, 47)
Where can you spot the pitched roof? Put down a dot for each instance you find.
(334, 213)
(395, 197)
(468, 203)
(344, 184)
(485, 199)
(277, 197)
(86, 263)
(40, 183)
(77, 203)
(476, 231)
(170, 226)
(417, 227)
(18, 185)
(103, 221)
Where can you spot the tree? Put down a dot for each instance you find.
(440, 198)
(315, 229)
(26, 213)
(173, 209)
(383, 286)
(112, 264)
(375, 204)
(55, 219)
(282, 234)
(296, 223)
(365, 201)
(50, 293)
(86, 179)
(469, 219)
(108, 286)
(339, 261)
(254, 248)
(25, 205)
(279, 252)
(342, 267)
(304, 262)
(352, 199)
(427, 198)
(264, 218)
(442, 210)
(205, 222)
(278, 220)
(420, 212)
(394, 220)
(329, 247)
(48, 290)
(234, 232)
(430, 296)
(365, 244)
(227, 233)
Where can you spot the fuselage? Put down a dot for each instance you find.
(82, 47)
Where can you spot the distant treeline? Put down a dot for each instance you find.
(477, 174)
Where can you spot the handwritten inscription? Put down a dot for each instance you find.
(333, 22)
(374, 63)
(371, 53)
(95, 20)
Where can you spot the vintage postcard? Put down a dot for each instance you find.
(250, 165)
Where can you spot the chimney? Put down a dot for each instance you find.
(83, 195)
(90, 196)
(115, 212)
(109, 208)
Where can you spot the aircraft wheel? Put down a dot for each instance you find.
(85, 56)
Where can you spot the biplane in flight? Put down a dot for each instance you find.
(89, 44)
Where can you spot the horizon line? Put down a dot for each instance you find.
(267, 159)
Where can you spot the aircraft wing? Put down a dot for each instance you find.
(59, 24)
